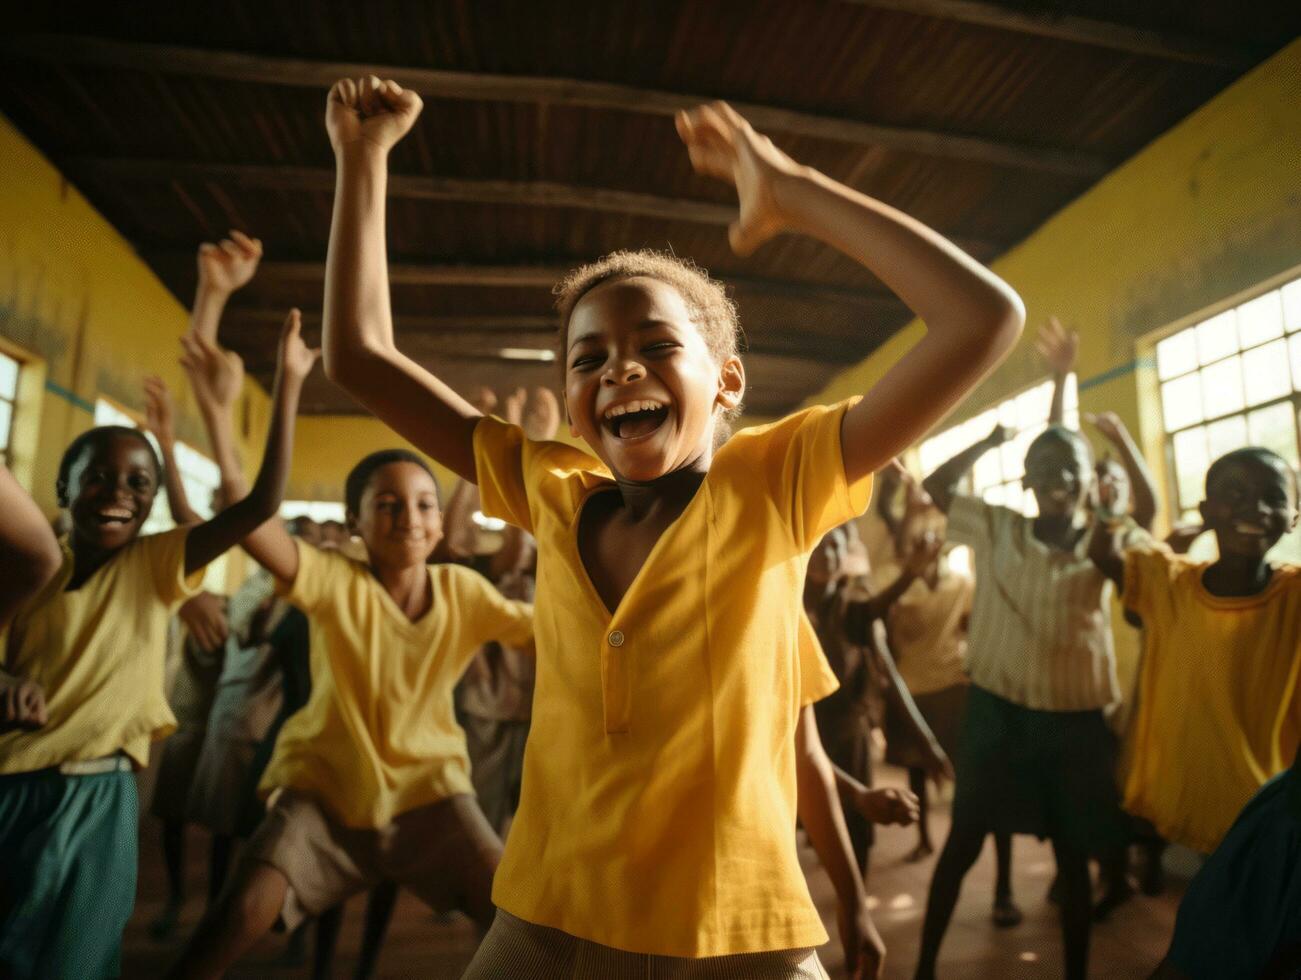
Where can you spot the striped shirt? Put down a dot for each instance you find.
(1041, 617)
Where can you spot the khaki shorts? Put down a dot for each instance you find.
(444, 853)
(515, 948)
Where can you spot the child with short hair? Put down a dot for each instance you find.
(92, 641)
(369, 782)
(1217, 710)
(669, 727)
(1036, 755)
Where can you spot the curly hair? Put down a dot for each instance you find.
(707, 301)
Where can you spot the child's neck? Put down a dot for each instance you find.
(87, 559)
(1062, 533)
(669, 493)
(1238, 575)
(409, 587)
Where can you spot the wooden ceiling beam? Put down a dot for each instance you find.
(1051, 23)
(414, 187)
(70, 49)
(538, 277)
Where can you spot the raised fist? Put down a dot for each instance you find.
(367, 112)
(230, 263)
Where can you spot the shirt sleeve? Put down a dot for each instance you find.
(164, 557)
(1148, 575)
(805, 468)
(494, 617)
(817, 679)
(499, 463)
(970, 521)
(321, 577)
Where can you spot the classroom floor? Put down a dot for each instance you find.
(418, 945)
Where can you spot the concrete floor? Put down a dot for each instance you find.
(418, 945)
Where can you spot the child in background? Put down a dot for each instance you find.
(1241, 916)
(840, 608)
(669, 726)
(1036, 755)
(1217, 711)
(370, 779)
(93, 643)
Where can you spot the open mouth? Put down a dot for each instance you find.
(635, 420)
(109, 516)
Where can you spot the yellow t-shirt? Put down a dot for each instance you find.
(1216, 713)
(378, 736)
(99, 653)
(659, 797)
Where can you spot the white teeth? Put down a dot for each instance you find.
(116, 513)
(645, 405)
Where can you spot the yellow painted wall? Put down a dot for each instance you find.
(1208, 210)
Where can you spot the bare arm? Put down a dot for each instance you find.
(942, 485)
(159, 420)
(1058, 347)
(972, 317)
(365, 119)
(1141, 483)
(1105, 553)
(900, 700)
(824, 822)
(29, 552)
(253, 520)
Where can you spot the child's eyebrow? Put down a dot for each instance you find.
(643, 325)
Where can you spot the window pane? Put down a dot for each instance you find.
(1295, 345)
(1222, 387)
(1032, 406)
(1177, 354)
(1225, 436)
(1292, 305)
(1274, 427)
(1007, 414)
(1012, 494)
(986, 472)
(1181, 402)
(1260, 320)
(1217, 337)
(1266, 371)
(994, 495)
(8, 377)
(1191, 463)
(6, 423)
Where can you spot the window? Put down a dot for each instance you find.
(1230, 381)
(199, 475)
(997, 475)
(8, 398)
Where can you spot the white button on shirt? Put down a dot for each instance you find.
(616, 639)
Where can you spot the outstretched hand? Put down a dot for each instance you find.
(158, 411)
(230, 264)
(1107, 423)
(542, 417)
(1058, 346)
(864, 948)
(216, 374)
(512, 409)
(22, 704)
(296, 359)
(722, 144)
(367, 112)
(888, 806)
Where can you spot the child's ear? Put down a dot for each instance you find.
(731, 384)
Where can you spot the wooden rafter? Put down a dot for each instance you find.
(434, 83)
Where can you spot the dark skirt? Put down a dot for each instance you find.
(942, 711)
(1047, 773)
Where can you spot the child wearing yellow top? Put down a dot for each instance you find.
(659, 793)
(1218, 712)
(369, 782)
(90, 648)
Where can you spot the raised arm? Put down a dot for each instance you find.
(972, 317)
(1142, 486)
(1105, 552)
(824, 822)
(29, 552)
(159, 421)
(365, 119)
(1058, 347)
(223, 268)
(938, 765)
(942, 484)
(253, 520)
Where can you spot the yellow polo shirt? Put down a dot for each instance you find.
(659, 798)
(99, 653)
(378, 736)
(1217, 708)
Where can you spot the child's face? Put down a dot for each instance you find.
(399, 522)
(1059, 475)
(110, 491)
(1113, 487)
(1249, 505)
(641, 387)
